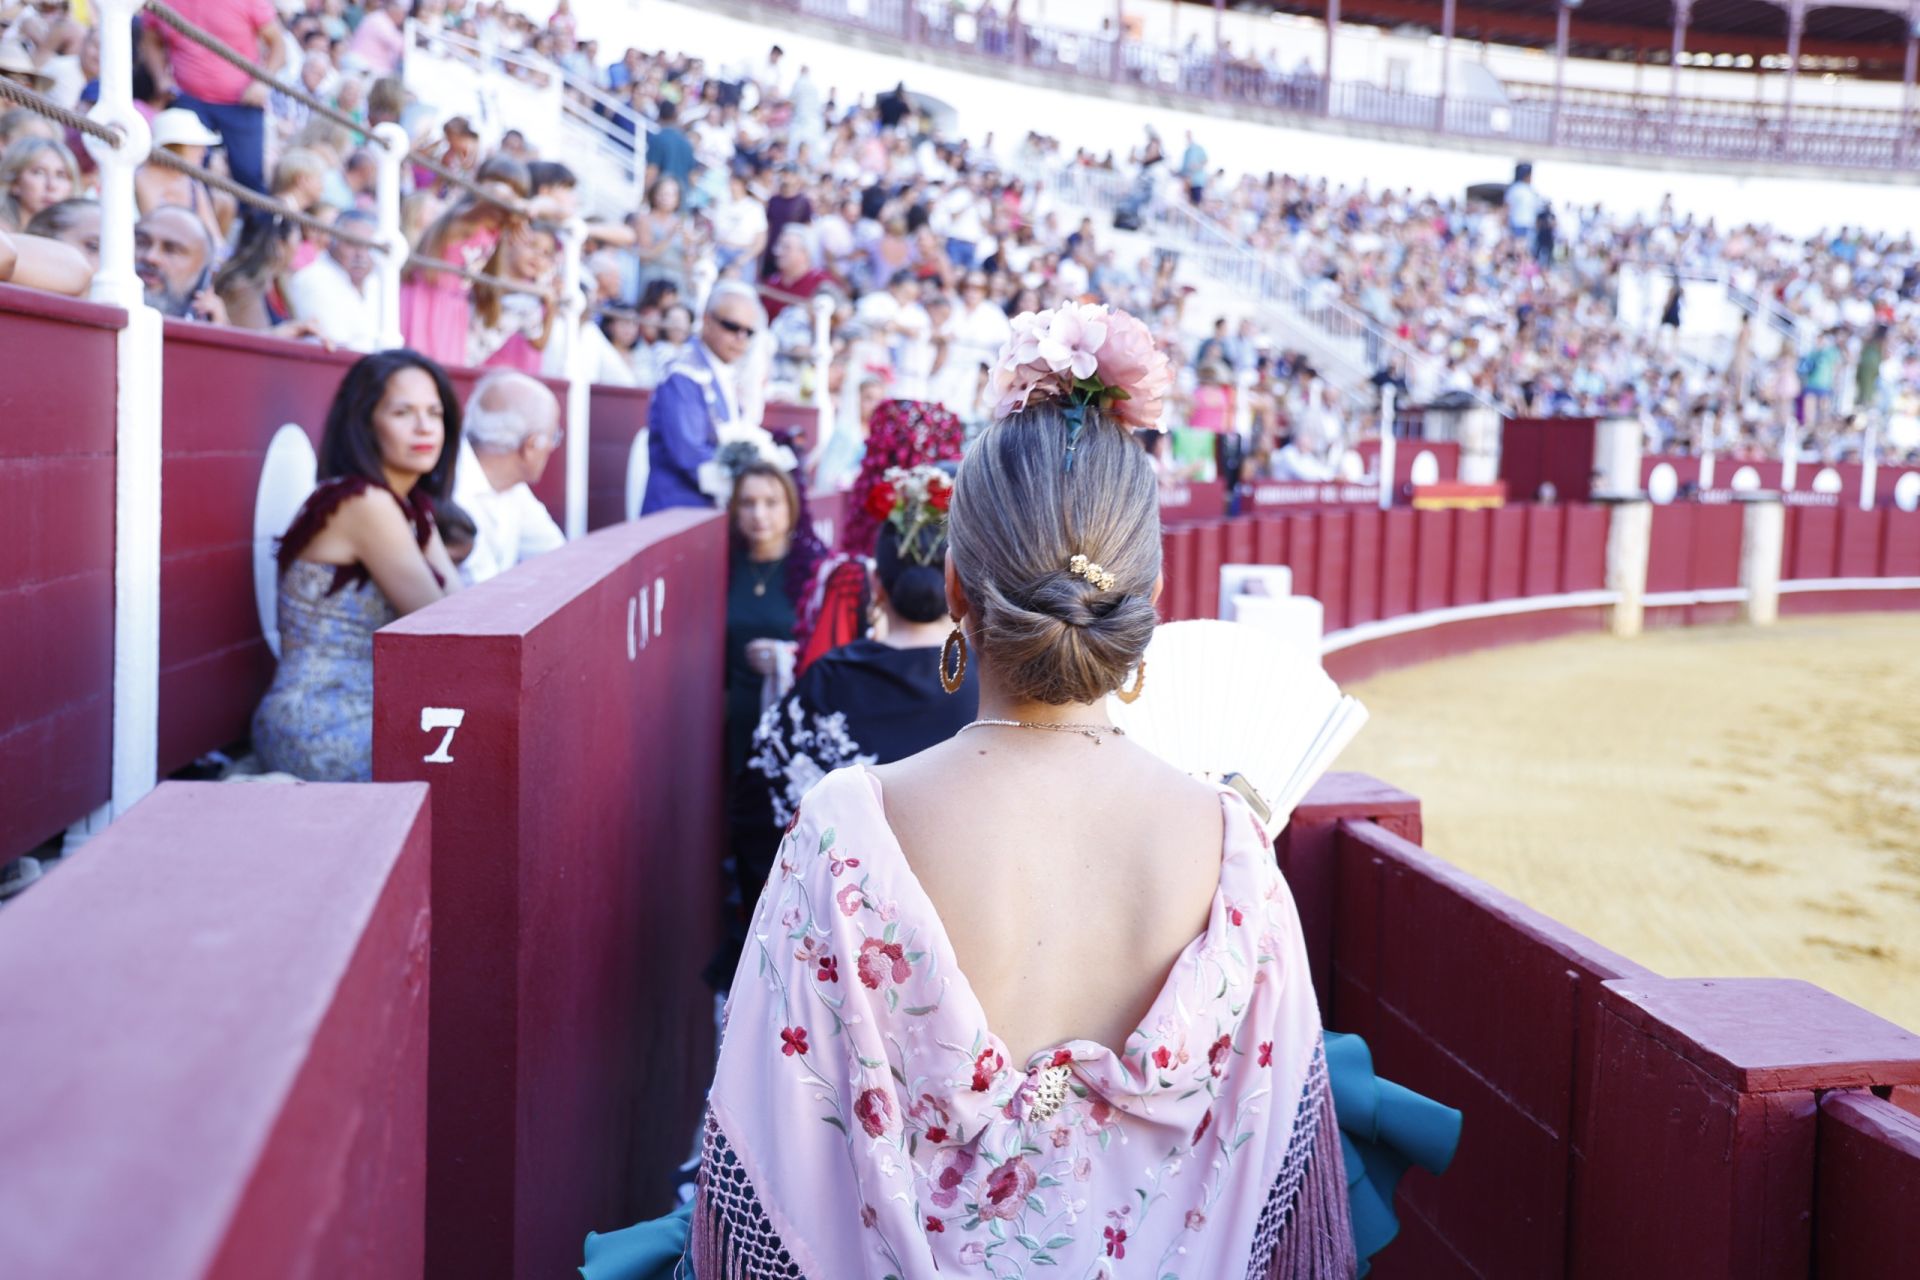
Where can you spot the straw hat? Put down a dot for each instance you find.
(17, 64)
(179, 127)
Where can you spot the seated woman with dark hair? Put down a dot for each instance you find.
(872, 701)
(363, 550)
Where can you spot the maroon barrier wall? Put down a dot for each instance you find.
(56, 563)
(214, 1038)
(1617, 1123)
(576, 843)
(618, 415)
(1694, 547)
(1844, 542)
(1851, 475)
(1864, 1216)
(1556, 451)
(214, 663)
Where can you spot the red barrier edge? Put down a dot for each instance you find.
(254, 1102)
(576, 842)
(1867, 1188)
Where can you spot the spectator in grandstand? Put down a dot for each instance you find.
(35, 174)
(669, 153)
(510, 429)
(696, 396)
(72, 222)
(435, 305)
(173, 255)
(251, 283)
(228, 100)
(872, 700)
(795, 279)
(335, 292)
(36, 262)
(739, 227)
(362, 551)
(667, 241)
(763, 515)
(788, 206)
(377, 44)
(184, 134)
(511, 328)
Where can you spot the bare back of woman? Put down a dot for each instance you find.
(1070, 876)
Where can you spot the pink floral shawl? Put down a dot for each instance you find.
(865, 1122)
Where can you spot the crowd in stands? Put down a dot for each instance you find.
(924, 241)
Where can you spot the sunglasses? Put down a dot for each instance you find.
(735, 328)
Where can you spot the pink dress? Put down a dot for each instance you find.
(434, 305)
(866, 1122)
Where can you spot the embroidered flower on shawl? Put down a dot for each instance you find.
(793, 1040)
(882, 962)
(1217, 1055)
(1116, 1243)
(851, 899)
(829, 969)
(1200, 1131)
(1195, 1219)
(950, 1169)
(985, 1067)
(1008, 1188)
(874, 1109)
(973, 1253)
(934, 1225)
(1266, 1053)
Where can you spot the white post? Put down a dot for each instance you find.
(822, 367)
(1629, 543)
(573, 306)
(1869, 464)
(136, 534)
(1706, 468)
(1387, 446)
(392, 264)
(1762, 541)
(1790, 455)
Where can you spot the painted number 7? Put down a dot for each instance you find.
(447, 718)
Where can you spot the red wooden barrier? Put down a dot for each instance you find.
(1471, 532)
(1867, 1186)
(56, 563)
(569, 716)
(214, 1039)
(1208, 547)
(1584, 551)
(1506, 553)
(1269, 540)
(1185, 500)
(618, 415)
(1176, 565)
(1433, 967)
(1813, 543)
(1331, 570)
(214, 663)
(1861, 533)
(1715, 1084)
(1363, 568)
(1900, 549)
(1540, 574)
(1396, 561)
(1432, 560)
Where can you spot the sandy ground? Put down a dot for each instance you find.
(1723, 801)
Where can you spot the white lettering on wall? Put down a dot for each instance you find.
(448, 718)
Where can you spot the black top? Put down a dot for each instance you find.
(863, 703)
(758, 608)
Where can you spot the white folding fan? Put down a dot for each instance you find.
(1226, 701)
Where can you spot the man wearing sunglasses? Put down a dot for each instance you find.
(698, 395)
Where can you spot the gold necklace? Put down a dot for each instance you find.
(760, 580)
(1098, 732)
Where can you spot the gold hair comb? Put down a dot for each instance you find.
(1081, 567)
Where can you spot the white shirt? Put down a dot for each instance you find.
(510, 525)
(346, 316)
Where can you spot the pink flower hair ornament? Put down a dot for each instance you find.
(1085, 355)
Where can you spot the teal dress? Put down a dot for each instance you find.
(1383, 1129)
(758, 608)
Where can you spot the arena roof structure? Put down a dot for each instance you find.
(1862, 37)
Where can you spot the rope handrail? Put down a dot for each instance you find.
(247, 195)
(58, 114)
(220, 49)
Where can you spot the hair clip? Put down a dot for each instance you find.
(1081, 567)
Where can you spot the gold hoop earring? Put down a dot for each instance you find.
(949, 663)
(1139, 683)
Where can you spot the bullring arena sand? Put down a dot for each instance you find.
(1724, 801)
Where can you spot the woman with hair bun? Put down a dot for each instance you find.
(873, 700)
(1031, 998)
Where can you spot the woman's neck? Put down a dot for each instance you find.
(902, 634)
(768, 551)
(401, 482)
(997, 704)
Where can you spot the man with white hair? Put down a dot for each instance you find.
(698, 395)
(510, 429)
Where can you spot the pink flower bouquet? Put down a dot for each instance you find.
(1083, 354)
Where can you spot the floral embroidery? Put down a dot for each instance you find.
(1217, 1055)
(793, 1040)
(1266, 1053)
(986, 1066)
(949, 1172)
(1195, 1219)
(794, 758)
(874, 1109)
(829, 969)
(851, 899)
(881, 963)
(1116, 1243)
(934, 1224)
(1008, 1188)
